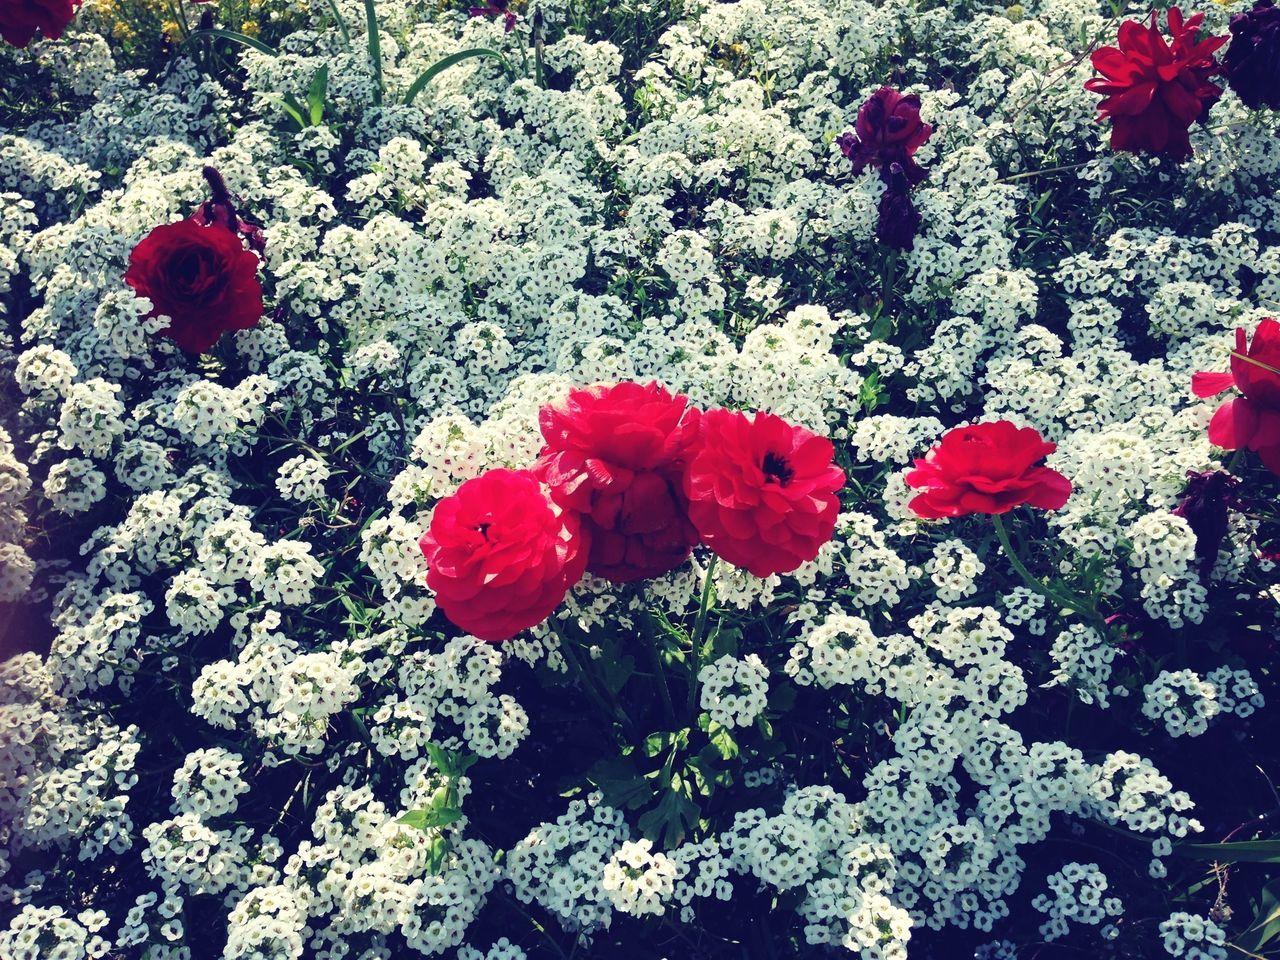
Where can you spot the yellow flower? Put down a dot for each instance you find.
(122, 31)
(250, 28)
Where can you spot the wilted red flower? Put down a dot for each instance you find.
(899, 219)
(220, 210)
(888, 130)
(762, 492)
(616, 455)
(20, 19)
(1206, 505)
(1252, 62)
(1252, 421)
(500, 555)
(201, 278)
(986, 468)
(1154, 90)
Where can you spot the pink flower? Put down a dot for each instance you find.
(1251, 421)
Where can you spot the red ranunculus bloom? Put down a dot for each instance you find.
(20, 19)
(1154, 90)
(986, 468)
(1252, 421)
(500, 555)
(616, 455)
(888, 130)
(762, 492)
(201, 278)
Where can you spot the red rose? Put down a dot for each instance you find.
(986, 468)
(20, 19)
(616, 455)
(1251, 422)
(500, 556)
(888, 130)
(762, 492)
(201, 278)
(1155, 90)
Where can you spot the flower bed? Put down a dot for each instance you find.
(719, 480)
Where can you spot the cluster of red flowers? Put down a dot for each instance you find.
(630, 479)
(885, 137)
(20, 19)
(198, 273)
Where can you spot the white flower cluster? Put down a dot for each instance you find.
(1185, 702)
(1077, 894)
(1196, 938)
(734, 689)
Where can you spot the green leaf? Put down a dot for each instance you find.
(217, 33)
(723, 741)
(440, 66)
(615, 672)
(316, 94)
(430, 819)
(1266, 924)
(375, 50)
(1252, 851)
(620, 783)
(676, 813)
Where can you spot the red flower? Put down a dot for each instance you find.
(201, 278)
(20, 19)
(1252, 421)
(1154, 90)
(888, 130)
(986, 468)
(500, 556)
(762, 492)
(616, 455)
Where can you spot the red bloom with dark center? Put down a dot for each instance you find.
(1251, 422)
(616, 455)
(1155, 89)
(201, 278)
(20, 19)
(888, 130)
(986, 468)
(762, 492)
(500, 555)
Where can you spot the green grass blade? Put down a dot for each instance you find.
(453, 59)
(375, 50)
(217, 33)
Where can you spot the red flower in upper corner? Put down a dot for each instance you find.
(1252, 421)
(495, 8)
(20, 19)
(201, 278)
(500, 555)
(986, 468)
(1155, 90)
(762, 492)
(616, 455)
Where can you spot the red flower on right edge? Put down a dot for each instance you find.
(1252, 421)
(986, 468)
(1156, 89)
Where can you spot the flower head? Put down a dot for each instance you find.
(201, 278)
(1154, 88)
(762, 492)
(888, 131)
(986, 468)
(1251, 421)
(500, 556)
(20, 19)
(616, 455)
(1252, 61)
(496, 8)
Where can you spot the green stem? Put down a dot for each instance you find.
(699, 627)
(668, 708)
(1074, 604)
